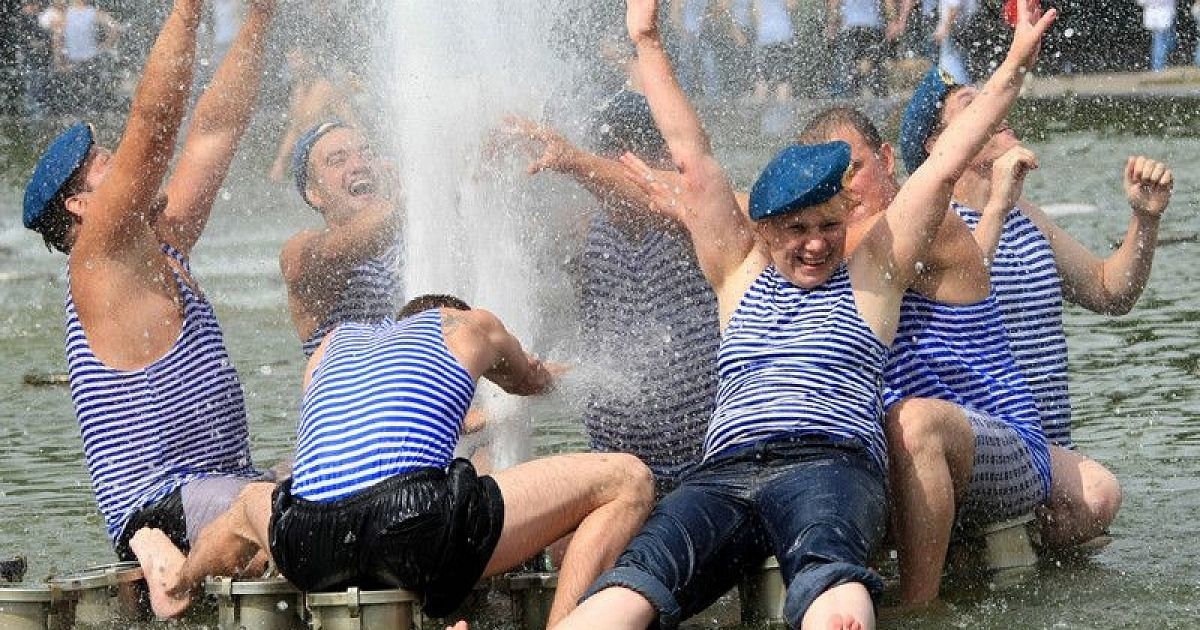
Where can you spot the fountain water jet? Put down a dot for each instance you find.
(477, 226)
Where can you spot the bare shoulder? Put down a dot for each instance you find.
(292, 258)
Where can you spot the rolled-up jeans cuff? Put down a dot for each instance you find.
(647, 586)
(808, 585)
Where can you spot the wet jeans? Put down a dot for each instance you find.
(820, 508)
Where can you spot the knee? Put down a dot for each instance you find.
(635, 482)
(915, 425)
(1102, 496)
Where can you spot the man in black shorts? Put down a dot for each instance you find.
(375, 499)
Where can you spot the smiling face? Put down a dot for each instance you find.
(1003, 139)
(807, 246)
(871, 186)
(343, 174)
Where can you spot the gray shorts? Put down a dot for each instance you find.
(1004, 480)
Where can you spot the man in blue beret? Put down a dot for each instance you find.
(795, 457)
(1035, 264)
(350, 269)
(160, 407)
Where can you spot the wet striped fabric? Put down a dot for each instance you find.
(147, 432)
(961, 354)
(1027, 286)
(371, 294)
(650, 319)
(799, 362)
(386, 399)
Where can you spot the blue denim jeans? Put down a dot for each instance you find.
(820, 508)
(1162, 42)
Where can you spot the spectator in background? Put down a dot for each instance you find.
(1158, 16)
(855, 27)
(697, 54)
(226, 18)
(774, 48)
(317, 93)
(954, 16)
(83, 36)
(34, 64)
(1196, 19)
(920, 39)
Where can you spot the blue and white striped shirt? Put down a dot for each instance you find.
(149, 431)
(960, 354)
(1028, 288)
(797, 362)
(370, 295)
(649, 316)
(386, 399)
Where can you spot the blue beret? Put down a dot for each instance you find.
(61, 159)
(921, 116)
(799, 176)
(303, 148)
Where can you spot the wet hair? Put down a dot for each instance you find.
(432, 300)
(824, 127)
(626, 124)
(55, 224)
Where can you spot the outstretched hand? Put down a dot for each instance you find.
(641, 19)
(664, 188)
(1031, 25)
(550, 150)
(1008, 178)
(1148, 185)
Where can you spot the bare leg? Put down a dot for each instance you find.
(932, 452)
(615, 608)
(227, 546)
(604, 498)
(1084, 499)
(843, 607)
(161, 561)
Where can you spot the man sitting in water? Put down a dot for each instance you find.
(159, 403)
(964, 439)
(348, 271)
(376, 501)
(646, 312)
(1034, 265)
(795, 454)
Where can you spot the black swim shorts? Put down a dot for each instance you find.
(165, 514)
(429, 531)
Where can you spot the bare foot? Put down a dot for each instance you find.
(161, 561)
(838, 622)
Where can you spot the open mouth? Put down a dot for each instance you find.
(361, 187)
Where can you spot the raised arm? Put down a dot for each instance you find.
(220, 119)
(125, 197)
(1113, 285)
(1008, 178)
(903, 236)
(605, 179)
(718, 227)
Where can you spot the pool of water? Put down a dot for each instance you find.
(1133, 379)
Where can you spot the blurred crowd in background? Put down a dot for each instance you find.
(72, 57)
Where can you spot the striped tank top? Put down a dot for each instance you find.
(960, 354)
(1027, 286)
(386, 399)
(370, 295)
(149, 431)
(649, 320)
(799, 362)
